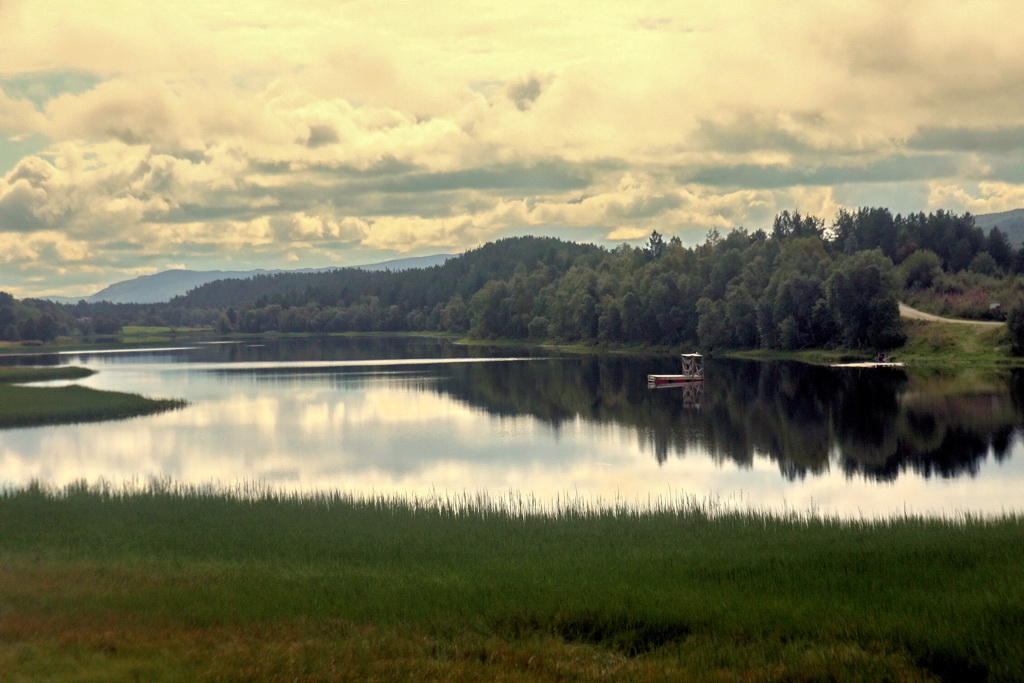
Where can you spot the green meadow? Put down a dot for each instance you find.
(954, 344)
(167, 583)
(25, 406)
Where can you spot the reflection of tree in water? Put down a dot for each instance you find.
(874, 423)
(946, 426)
(349, 348)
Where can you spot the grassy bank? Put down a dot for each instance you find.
(947, 343)
(29, 374)
(169, 584)
(928, 344)
(25, 406)
(814, 356)
(129, 337)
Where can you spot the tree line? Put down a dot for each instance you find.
(37, 320)
(801, 284)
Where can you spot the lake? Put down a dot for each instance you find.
(423, 416)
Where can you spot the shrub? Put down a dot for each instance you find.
(1015, 329)
(920, 269)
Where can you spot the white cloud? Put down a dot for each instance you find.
(206, 129)
(810, 200)
(405, 234)
(18, 116)
(134, 112)
(313, 228)
(991, 197)
(44, 245)
(627, 233)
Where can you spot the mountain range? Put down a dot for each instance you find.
(164, 286)
(1010, 222)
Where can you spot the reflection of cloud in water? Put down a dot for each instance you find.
(550, 429)
(238, 410)
(318, 417)
(392, 406)
(378, 439)
(611, 466)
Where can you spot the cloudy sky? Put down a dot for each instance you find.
(142, 136)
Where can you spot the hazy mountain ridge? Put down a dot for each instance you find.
(464, 275)
(1010, 222)
(164, 286)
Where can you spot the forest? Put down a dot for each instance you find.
(802, 284)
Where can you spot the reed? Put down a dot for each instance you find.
(26, 406)
(467, 586)
(33, 374)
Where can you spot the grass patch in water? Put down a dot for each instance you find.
(26, 374)
(26, 406)
(180, 582)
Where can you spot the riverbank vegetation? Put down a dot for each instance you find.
(27, 406)
(35, 374)
(954, 345)
(802, 284)
(163, 583)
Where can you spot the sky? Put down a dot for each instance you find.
(137, 137)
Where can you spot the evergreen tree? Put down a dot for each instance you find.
(1015, 329)
(655, 245)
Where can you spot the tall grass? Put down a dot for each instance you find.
(23, 406)
(951, 343)
(32, 374)
(684, 584)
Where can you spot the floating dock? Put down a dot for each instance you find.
(668, 380)
(868, 364)
(692, 371)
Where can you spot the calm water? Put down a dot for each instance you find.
(423, 416)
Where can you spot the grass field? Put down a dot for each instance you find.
(25, 406)
(928, 344)
(947, 343)
(165, 583)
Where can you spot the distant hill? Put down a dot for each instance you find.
(159, 287)
(164, 286)
(407, 263)
(411, 289)
(1010, 222)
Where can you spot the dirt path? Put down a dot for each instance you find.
(914, 314)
